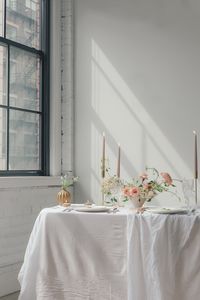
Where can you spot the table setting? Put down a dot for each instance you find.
(80, 254)
(87, 208)
(124, 248)
(138, 190)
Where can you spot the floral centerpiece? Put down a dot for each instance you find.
(64, 196)
(147, 186)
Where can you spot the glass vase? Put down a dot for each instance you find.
(64, 197)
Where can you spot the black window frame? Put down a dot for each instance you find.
(44, 54)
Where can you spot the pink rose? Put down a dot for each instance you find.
(126, 191)
(167, 178)
(134, 191)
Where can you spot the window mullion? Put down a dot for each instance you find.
(8, 104)
(20, 46)
(4, 28)
(45, 82)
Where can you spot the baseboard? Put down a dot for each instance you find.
(10, 296)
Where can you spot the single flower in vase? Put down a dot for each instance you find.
(64, 196)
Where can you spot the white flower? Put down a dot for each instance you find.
(68, 180)
(110, 183)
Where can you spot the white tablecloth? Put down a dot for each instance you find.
(101, 256)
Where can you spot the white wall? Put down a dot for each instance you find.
(137, 77)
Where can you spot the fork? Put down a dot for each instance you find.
(67, 209)
(113, 210)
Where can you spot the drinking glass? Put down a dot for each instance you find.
(189, 194)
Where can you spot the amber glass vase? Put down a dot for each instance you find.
(64, 197)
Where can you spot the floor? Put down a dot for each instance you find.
(13, 296)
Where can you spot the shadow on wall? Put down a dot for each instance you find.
(144, 81)
(145, 134)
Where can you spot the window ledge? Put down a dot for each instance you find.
(29, 181)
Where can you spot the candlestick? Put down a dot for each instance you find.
(195, 155)
(195, 165)
(103, 156)
(118, 161)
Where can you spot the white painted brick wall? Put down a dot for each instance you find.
(18, 210)
(19, 207)
(67, 84)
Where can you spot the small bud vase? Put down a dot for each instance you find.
(64, 197)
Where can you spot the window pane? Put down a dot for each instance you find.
(24, 141)
(3, 140)
(1, 17)
(23, 21)
(24, 79)
(3, 74)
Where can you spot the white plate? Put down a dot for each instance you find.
(75, 205)
(167, 210)
(93, 209)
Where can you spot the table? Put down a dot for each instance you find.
(101, 256)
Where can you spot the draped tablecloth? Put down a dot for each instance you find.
(101, 256)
